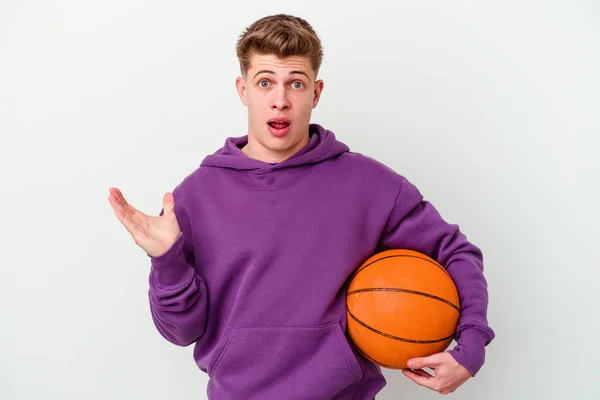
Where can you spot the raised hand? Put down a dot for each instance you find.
(155, 235)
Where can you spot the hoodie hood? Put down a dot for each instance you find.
(322, 146)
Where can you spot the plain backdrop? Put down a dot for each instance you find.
(490, 108)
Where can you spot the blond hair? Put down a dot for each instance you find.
(281, 35)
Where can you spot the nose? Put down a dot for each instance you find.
(280, 99)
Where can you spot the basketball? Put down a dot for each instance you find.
(401, 304)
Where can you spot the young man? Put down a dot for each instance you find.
(251, 253)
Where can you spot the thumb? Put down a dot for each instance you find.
(168, 202)
(421, 362)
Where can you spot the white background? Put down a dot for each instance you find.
(490, 108)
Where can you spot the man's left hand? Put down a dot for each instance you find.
(449, 374)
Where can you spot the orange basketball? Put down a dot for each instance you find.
(401, 304)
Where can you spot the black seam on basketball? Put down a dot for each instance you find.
(399, 255)
(372, 359)
(406, 291)
(397, 337)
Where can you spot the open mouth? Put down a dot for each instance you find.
(279, 127)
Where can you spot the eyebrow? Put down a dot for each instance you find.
(266, 71)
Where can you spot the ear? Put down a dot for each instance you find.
(317, 93)
(240, 85)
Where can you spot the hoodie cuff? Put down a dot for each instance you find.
(171, 268)
(470, 350)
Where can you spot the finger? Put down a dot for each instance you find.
(114, 192)
(132, 219)
(426, 381)
(120, 198)
(127, 215)
(168, 203)
(126, 211)
(114, 200)
(117, 201)
(137, 217)
(420, 362)
(118, 208)
(136, 233)
(422, 372)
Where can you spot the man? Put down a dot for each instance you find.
(251, 253)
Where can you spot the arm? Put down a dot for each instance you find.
(177, 293)
(415, 224)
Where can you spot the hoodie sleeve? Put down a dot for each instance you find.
(177, 293)
(416, 225)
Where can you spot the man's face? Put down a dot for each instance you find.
(280, 95)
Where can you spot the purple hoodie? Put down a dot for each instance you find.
(257, 278)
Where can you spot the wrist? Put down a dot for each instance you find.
(470, 350)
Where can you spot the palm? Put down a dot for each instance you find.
(153, 234)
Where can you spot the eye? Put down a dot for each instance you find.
(261, 83)
(297, 85)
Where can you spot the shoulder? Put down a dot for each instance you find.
(371, 169)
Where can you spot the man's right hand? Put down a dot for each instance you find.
(155, 235)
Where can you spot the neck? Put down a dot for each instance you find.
(255, 150)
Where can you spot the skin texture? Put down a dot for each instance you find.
(289, 90)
